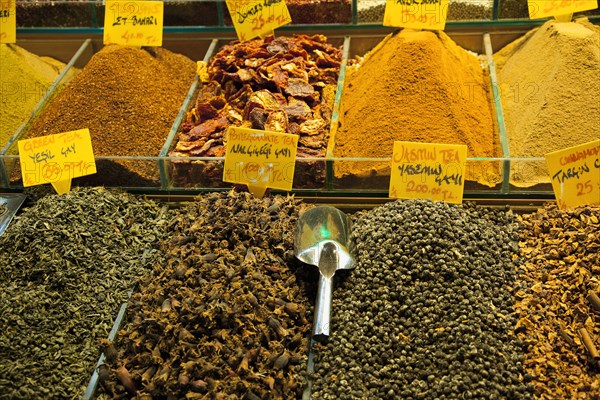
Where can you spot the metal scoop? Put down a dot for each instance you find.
(322, 240)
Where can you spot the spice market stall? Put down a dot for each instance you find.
(190, 287)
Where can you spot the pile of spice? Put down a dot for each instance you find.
(320, 11)
(67, 265)
(284, 84)
(24, 79)
(129, 99)
(415, 86)
(559, 309)
(48, 13)
(550, 93)
(372, 11)
(225, 315)
(428, 312)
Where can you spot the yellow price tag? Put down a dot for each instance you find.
(257, 18)
(260, 159)
(575, 174)
(134, 23)
(552, 8)
(428, 171)
(416, 14)
(8, 21)
(57, 159)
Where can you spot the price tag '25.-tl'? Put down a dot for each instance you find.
(257, 18)
(575, 174)
(416, 14)
(260, 159)
(134, 23)
(428, 171)
(57, 159)
(8, 21)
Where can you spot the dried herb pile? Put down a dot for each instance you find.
(428, 312)
(561, 251)
(224, 316)
(284, 84)
(67, 264)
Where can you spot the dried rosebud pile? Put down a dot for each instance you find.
(224, 316)
(284, 84)
(561, 251)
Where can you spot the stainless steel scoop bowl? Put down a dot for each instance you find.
(322, 239)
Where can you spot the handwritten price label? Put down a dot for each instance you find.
(57, 159)
(551, 8)
(428, 171)
(416, 14)
(260, 159)
(134, 23)
(257, 18)
(8, 21)
(575, 174)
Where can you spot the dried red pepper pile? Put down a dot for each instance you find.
(284, 84)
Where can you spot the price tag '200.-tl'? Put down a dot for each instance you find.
(57, 159)
(134, 23)
(428, 171)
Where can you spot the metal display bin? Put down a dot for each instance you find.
(111, 170)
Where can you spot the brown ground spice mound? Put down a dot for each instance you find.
(550, 91)
(414, 86)
(127, 97)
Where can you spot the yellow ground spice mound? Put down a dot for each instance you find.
(24, 79)
(550, 91)
(415, 86)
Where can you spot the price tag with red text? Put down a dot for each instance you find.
(260, 159)
(134, 23)
(57, 159)
(416, 14)
(8, 21)
(557, 8)
(428, 171)
(575, 175)
(257, 18)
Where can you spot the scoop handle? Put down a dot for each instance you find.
(323, 308)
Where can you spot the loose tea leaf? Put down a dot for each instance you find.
(67, 264)
(561, 251)
(427, 313)
(224, 315)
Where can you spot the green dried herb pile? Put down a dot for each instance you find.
(67, 264)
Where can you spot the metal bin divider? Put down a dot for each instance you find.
(499, 114)
(90, 391)
(335, 115)
(163, 168)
